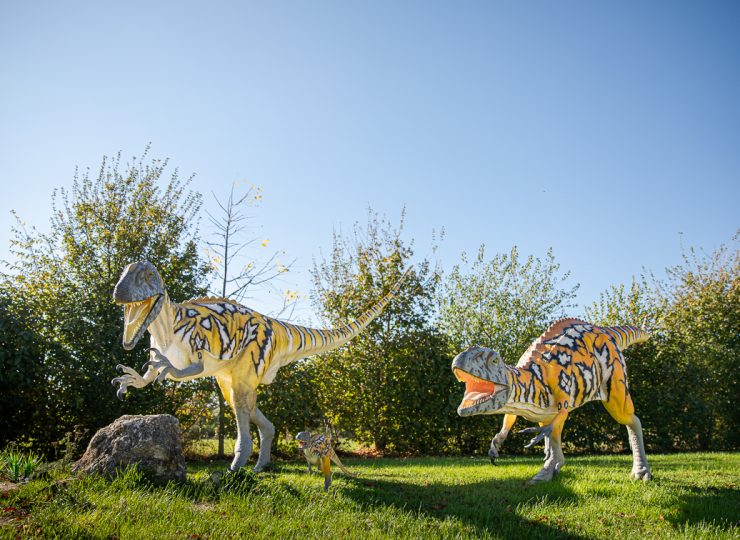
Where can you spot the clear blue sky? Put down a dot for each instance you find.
(602, 129)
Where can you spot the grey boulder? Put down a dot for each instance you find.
(150, 442)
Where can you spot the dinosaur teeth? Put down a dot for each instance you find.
(477, 396)
(134, 314)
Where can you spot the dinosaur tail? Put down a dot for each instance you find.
(301, 341)
(627, 335)
(335, 459)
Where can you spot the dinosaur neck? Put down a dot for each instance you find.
(512, 380)
(526, 388)
(161, 328)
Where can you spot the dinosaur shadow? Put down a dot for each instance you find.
(718, 506)
(488, 506)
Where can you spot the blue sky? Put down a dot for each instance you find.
(607, 130)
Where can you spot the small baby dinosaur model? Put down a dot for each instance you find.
(318, 451)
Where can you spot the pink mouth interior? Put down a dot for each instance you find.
(475, 388)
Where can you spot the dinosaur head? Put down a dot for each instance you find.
(486, 384)
(140, 291)
(303, 439)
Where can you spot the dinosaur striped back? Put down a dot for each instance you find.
(626, 335)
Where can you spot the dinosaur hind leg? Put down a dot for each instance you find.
(500, 437)
(267, 432)
(623, 411)
(244, 403)
(326, 469)
(551, 433)
(554, 458)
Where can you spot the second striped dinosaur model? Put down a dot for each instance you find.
(219, 337)
(571, 363)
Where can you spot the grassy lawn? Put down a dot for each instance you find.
(691, 496)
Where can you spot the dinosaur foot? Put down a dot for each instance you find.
(641, 473)
(542, 432)
(493, 455)
(545, 475)
(549, 470)
(262, 467)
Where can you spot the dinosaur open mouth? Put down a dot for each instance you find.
(477, 390)
(137, 316)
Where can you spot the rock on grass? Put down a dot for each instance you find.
(152, 443)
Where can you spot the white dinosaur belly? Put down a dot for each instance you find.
(529, 412)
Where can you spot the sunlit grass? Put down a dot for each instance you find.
(691, 496)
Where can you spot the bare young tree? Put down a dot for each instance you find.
(235, 272)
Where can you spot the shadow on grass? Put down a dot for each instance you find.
(718, 506)
(488, 506)
(491, 505)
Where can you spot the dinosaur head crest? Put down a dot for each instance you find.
(303, 439)
(486, 384)
(140, 291)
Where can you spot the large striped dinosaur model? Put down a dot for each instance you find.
(219, 337)
(571, 363)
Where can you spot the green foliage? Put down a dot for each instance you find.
(503, 303)
(61, 284)
(684, 380)
(701, 325)
(21, 372)
(390, 385)
(17, 465)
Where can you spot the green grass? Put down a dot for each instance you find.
(691, 496)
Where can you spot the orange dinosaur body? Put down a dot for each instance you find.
(572, 363)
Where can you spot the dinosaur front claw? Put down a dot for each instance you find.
(161, 363)
(542, 432)
(129, 378)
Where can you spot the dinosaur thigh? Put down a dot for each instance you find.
(614, 389)
(312, 457)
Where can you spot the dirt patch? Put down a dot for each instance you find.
(6, 487)
(204, 507)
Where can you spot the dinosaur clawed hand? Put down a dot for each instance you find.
(159, 362)
(129, 378)
(542, 432)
